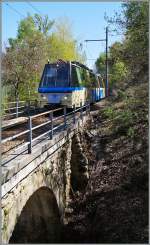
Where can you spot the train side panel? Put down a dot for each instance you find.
(75, 98)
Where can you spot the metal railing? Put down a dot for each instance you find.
(65, 116)
(13, 108)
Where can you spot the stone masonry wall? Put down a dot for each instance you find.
(67, 167)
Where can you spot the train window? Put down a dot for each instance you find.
(102, 84)
(62, 77)
(93, 80)
(83, 77)
(87, 78)
(79, 76)
(55, 76)
(49, 77)
(97, 84)
(76, 77)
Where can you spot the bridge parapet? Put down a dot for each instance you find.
(49, 166)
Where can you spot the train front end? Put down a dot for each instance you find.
(55, 84)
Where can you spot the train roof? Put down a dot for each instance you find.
(59, 61)
(79, 64)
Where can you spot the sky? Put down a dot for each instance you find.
(87, 19)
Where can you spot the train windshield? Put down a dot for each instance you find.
(55, 76)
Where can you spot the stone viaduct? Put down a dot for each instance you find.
(36, 187)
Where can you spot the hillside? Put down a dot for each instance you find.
(114, 206)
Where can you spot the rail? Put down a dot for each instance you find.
(51, 121)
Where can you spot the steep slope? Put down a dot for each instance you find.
(114, 206)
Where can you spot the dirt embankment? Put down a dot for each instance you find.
(114, 206)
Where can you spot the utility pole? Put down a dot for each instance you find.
(106, 61)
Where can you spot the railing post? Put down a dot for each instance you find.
(81, 111)
(51, 118)
(35, 106)
(17, 102)
(28, 107)
(86, 109)
(40, 106)
(89, 108)
(65, 119)
(30, 134)
(74, 114)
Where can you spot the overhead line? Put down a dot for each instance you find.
(95, 40)
(15, 10)
(35, 8)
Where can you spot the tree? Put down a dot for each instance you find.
(128, 60)
(25, 58)
(43, 24)
(101, 65)
(118, 74)
(27, 54)
(117, 68)
(61, 44)
(134, 23)
(26, 28)
(22, 62)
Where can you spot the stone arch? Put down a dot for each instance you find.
(39, 221)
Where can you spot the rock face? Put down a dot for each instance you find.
(114, 205)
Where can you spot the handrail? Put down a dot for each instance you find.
(47, 112)
(38, 126)
(56, 118)
(13, 102)
(12, 108)
(20, 101)
(17, 105)
(52, 119)
(11, 114)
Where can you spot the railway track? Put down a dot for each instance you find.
(12, 127)
(40, 123)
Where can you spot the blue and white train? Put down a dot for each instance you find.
(70, 83)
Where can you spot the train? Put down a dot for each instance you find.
(70, 83)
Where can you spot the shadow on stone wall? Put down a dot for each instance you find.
(39, 221)
(79, 165)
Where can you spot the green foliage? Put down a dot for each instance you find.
(125, 117)
(101, 64)
(116, 52)
(122, 120)
(128, 60)
(118, 73)
(124, 114)
(109, 113)
(24, 62)
(117, 68)
(136, 43)
(26, 28)
(61, 44)
(43, 24)
(131, 132)
(26, 56)
(121, 94)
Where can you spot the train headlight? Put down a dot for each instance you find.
(43, 97)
